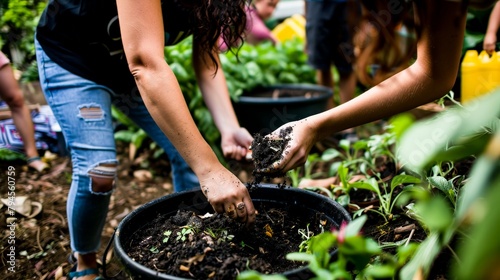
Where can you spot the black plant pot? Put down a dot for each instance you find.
(296, 201)
(264, 109)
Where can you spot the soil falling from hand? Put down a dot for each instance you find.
(266, 151)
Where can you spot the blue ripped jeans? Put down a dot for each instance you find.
(83, 110)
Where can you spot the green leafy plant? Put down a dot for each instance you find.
(19, 20)
(154, 250)
(167, 234)
(306, 235)
(455, 134)
(184, 233)
(243, 245)
(385, 194)
(305, 172)
(352, 249)
(220, 235)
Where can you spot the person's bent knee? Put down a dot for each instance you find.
(103, 177)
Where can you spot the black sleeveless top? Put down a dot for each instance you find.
(83, 36)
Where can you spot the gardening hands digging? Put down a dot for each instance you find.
(234, 201)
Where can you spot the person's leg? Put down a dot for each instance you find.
(83, 110)
(132, 105)
(319, 43)
(343, 57)
(343, 53)
(11, 93)
(324, 77)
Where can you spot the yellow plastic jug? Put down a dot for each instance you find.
(291, 27)
(480, 74)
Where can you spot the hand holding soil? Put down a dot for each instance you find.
(267, 151)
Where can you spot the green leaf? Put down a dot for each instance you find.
(481, 251)
(403, 179)
(355, 226)
(423, 258)
(124, 136)
(436, 213)
(428, 140)
(379, 271)
(138, 138)
(330, 154)
(400, 123)
(8, 155)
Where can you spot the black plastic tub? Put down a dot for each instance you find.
(298, 201)
(264, 109)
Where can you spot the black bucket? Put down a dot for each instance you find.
(264, 109)
(301, 202)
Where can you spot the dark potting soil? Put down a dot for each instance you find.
(266, 151)
(218, 247)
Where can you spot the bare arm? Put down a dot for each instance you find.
(490, 38)
(142, 32)
(235, 139)
(430, 77)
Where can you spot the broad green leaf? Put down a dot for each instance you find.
(403, 179)
(330, 154)
(436, 213)
(379, 272)
(422, 143)
(480, 252)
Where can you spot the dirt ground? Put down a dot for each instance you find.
(42, 243)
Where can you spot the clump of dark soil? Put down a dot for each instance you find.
(266, 151)
(217, 247)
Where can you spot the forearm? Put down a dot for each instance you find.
(215, 94)
(494, 20)
(165, 102)
(429, 78)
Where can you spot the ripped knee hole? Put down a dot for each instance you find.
(103, 177)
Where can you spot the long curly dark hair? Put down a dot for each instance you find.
(214, 19)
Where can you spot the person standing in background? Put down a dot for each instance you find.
(11, 93)
(329, 43)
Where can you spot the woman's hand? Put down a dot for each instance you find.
(235, 143)
(302, 139)
(227, 194)
(490, 41)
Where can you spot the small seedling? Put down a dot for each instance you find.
(154, 250)
(167, 234)
(243, 245)
(182, 235)
(306, 235)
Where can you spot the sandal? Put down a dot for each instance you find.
(40, 168)
(90, 271)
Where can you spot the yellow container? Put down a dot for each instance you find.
(291, 27)
(480, 74)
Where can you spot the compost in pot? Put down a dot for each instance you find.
(180, 236)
